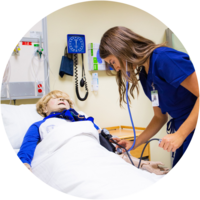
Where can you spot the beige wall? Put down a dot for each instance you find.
(92, 19)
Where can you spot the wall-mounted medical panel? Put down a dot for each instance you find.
(26, 75)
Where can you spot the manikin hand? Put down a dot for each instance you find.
(125, 143)
(28, 166)
(154, 167)
(150, 166)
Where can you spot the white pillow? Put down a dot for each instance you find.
(17, 120)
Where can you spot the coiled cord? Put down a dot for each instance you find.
(75, 69)
(76, 79)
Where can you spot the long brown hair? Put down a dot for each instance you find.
(128, 46)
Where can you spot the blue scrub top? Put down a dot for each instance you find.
(168, 69)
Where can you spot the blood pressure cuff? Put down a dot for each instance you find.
(66, 66)
(105, 143)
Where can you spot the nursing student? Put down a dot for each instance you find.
(168, 79)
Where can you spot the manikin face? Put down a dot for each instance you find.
(114, 62)
(56, 105)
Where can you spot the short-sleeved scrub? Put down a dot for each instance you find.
(167, 70)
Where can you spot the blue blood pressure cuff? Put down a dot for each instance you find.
(66, 66)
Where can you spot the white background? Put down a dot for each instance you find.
(16, 17)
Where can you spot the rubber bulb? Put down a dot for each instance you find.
(82, 82)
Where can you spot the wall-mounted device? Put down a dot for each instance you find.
(40, 49)
(76, 45)
(94, 60)
(16, 50)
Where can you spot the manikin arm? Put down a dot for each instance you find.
(150, 166)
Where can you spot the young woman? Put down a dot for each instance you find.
(168, 79)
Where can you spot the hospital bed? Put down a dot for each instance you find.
(72, 160)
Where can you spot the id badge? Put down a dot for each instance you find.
(154, 98)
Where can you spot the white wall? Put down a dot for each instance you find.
(92, 19)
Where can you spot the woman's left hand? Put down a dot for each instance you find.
(171, 142)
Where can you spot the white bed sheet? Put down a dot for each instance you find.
(71, 160)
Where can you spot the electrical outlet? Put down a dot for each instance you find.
(40, 88)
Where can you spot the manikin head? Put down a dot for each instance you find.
(55, 101)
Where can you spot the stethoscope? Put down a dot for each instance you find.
(134, 132)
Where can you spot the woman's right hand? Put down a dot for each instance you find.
(125, 143)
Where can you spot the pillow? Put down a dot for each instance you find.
(17, 120)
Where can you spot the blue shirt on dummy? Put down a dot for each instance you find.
(167, 70)
(32, 136)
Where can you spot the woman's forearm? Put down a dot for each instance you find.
(154, 126)
(190, 123)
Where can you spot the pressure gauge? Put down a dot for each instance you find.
(76, 43)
